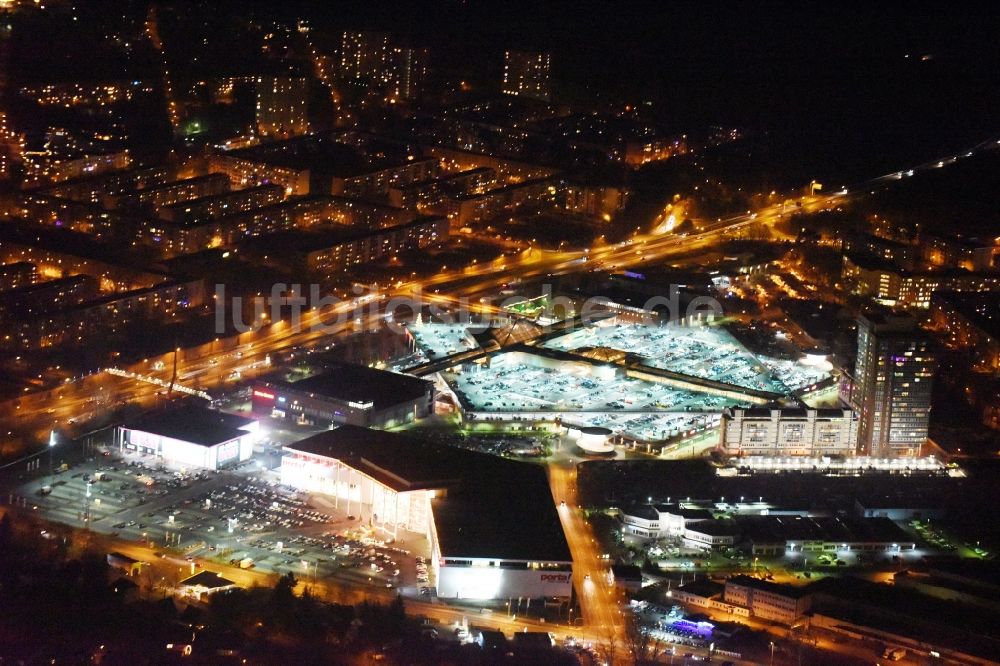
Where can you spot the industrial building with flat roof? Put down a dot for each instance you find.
(190, 435)
(491, 523)
(346, 393)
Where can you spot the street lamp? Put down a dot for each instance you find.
(52, 446)
(772, 653)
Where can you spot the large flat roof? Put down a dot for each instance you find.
(192, 423)
(358, 383)
(493, 508)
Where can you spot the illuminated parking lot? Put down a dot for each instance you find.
(522, 386)
(633, 407)
(708, 352)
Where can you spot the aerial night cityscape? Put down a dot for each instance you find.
(468, 332)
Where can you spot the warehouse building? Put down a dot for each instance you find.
(191, 436)
(486, 542)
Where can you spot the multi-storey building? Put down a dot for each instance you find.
(788, 432)
(168, 194)
(282, 106)
(17, 274)
(474, 207)
(902, 254)
(893, 374)
(766, 600)
(53, 166)
(184, 237)
(220, 205)
(433, 191)
(895, 287)
(68, 95)
(334, 251)
(970, 322)
(600, 202)
(526, 74)
(245, 169)
(365, 56)
(409, 72)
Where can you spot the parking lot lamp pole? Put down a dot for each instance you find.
(772, 653)
(52, 446)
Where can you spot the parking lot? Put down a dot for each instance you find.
(708, 352)
(633, 407)
(435, 340)
(240, 517)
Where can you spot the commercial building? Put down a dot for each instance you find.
(346, 393)
(893, 378)
(767, 600)
(794, 535)
(190, 436)
(204, 584)
(926, 619)
(656, 521)
(526, 74)
(788, 432)
(711, 534)
(491, 523)
(282, 106)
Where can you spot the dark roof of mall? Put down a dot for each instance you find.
(493, 508)
(358, 383)
(192, 423)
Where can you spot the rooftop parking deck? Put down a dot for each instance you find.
(709, 352)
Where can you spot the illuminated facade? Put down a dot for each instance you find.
(191, 437)
(350, 394)
(894, 374)
(282, 106)
(486, 543)
(526, 74)
(788, 432)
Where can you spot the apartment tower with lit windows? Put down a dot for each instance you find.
(892, 390)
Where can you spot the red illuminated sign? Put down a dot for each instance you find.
(263, 394)
(555, 578)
